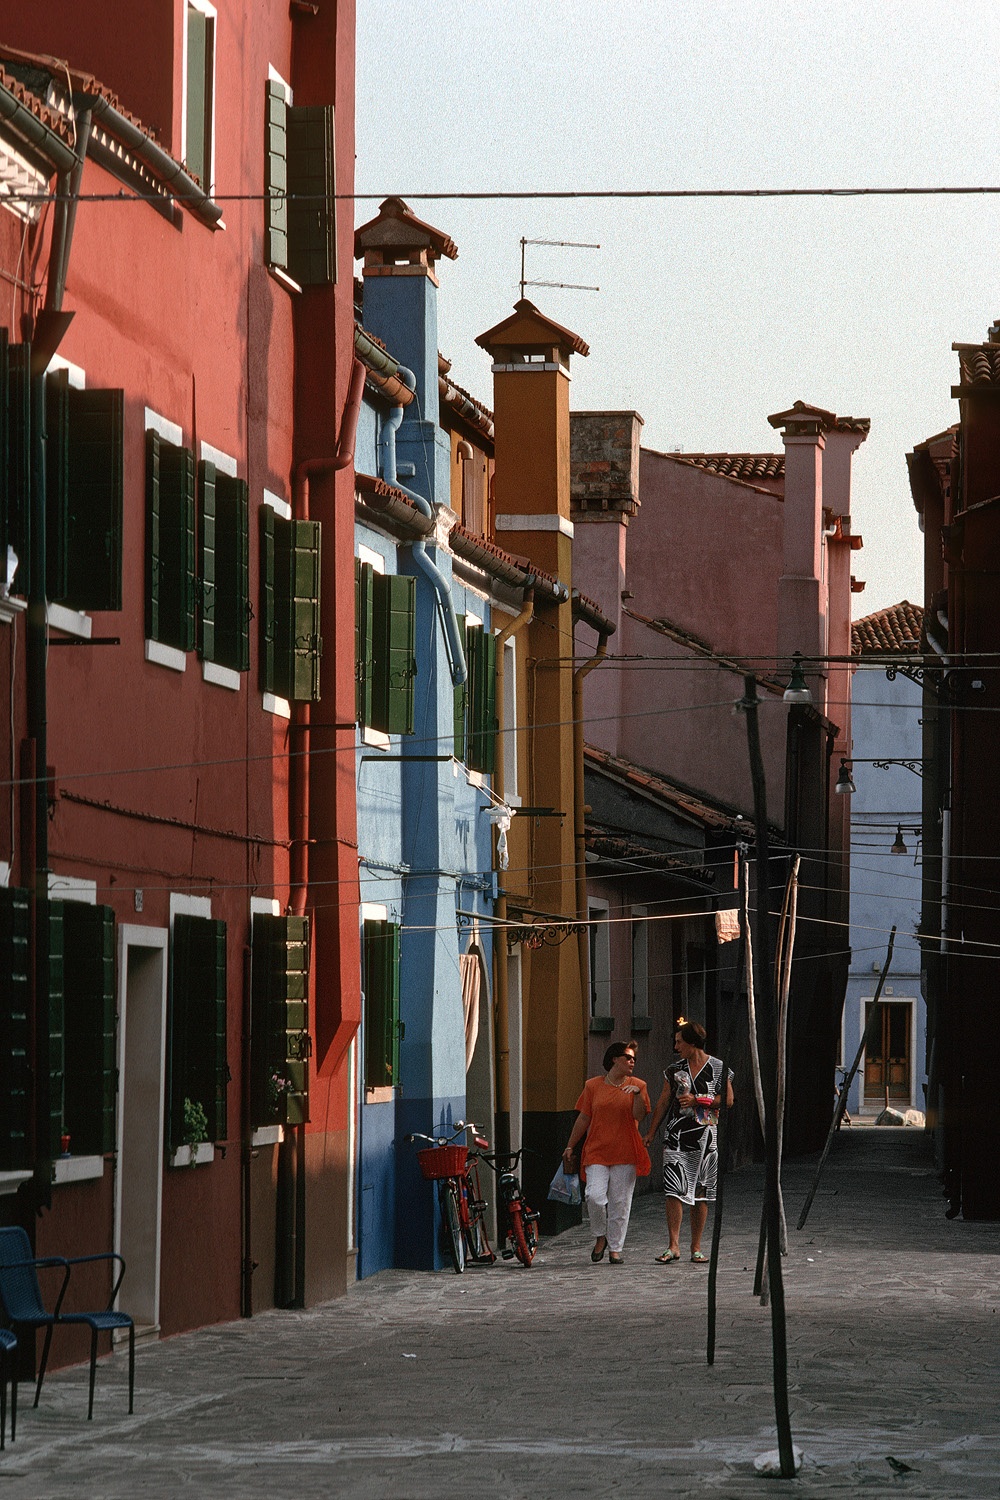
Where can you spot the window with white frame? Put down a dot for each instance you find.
(510, 723)
(598, 914)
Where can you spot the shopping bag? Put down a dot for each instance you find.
(565, 1187)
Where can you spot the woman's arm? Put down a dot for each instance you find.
(640, 1101)
(662, 1105)
(576, 1135)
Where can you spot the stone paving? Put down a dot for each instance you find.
(580, 1380)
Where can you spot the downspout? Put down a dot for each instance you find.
(438, 582)
(501, 998)
(464, 454)
(579, 833)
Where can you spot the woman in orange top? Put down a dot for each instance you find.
(613, 1153)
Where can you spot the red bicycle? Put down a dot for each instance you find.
(455, 1169)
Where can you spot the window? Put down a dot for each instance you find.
(170, 543)
(600, 960)
(475, 700)
(299, 183)
(385, 652)
(88, 1026)
(280, 1045)
(15, 459)
(84, 494)
(380, 982)
(199, 102)
(223, 568)
(510, 739)
(196, 1064)
(640, 963)
(290, 642)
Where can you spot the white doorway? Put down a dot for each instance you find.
(142, 1040)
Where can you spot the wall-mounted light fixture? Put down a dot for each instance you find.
(797, 690)
(845, 779)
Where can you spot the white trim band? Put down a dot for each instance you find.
(534, 523)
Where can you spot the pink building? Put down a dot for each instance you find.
(712, 566)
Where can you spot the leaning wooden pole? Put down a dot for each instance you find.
(722, 1142)
(874, 1020)
(769, 1075)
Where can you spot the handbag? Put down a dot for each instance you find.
(565, 1187)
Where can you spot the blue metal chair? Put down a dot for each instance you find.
(8, 1365)
(22, 1298)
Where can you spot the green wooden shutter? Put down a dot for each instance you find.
(198, 1062)
(91, 1065)
(312, 209)
(275, 177)
(96, 499)
(280, 1045)
(207, 587)
(268, 612)
(15, 989)
(380, 979)
(170, 543)
(57, 485)
(19, 460)
(198, 143)
(363, 628)
(232, 573)
(395, 664)
(460, 696)
(482, 658)
(298, 644)
(49, 928)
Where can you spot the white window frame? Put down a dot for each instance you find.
(271, 704)
(211, 671)
(75, 622)
(211, 14)
(473, 778)
(170, 432)
(598, 914)
(376, 737)
(511, 794)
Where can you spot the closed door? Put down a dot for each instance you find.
(887, 1057)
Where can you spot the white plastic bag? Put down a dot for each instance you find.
(565, 1187)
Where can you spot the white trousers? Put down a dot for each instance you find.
(609, 1202)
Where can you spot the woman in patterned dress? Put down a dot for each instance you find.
(689, 1102)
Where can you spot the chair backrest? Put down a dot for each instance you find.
(19, 1289)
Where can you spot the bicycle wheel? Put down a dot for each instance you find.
(520, 1232)
(452, 1225)
(473, 1207)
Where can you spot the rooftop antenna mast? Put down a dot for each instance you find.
(571, 286)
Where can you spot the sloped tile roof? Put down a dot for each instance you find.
(51, 118)
(739, 465)
(720, 470)
(978, 364)
(710, 815)
(894, 630)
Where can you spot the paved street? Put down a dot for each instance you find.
(573, 1379)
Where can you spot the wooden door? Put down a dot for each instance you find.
(887, 1057)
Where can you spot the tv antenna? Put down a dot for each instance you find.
(571, 286)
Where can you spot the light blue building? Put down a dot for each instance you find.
(885, 860)
(426, 677)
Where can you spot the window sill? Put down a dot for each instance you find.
(602, 1025)
(380, 1096)
(166, 656)
(203, 1154)
(222, 676)
(77, 1169)
(280, 707)
(70, 621)
(376, 738)
(267, 1135)
(642, 1023)
(11, 1181)
(283, 277)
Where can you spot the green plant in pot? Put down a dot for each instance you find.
(195, 1127)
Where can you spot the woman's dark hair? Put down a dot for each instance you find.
(690, 1032)
(615, 1051)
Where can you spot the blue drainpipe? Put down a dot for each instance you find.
(438, 582)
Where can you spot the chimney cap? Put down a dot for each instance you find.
(396, 228)
(805, 418)
(529, 329)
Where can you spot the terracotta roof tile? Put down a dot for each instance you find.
(978, 364)
(51, 118)
(739, 465)
(892, 630)
(711, 815)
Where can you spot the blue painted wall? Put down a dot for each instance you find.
(424, 842)
(885, 887)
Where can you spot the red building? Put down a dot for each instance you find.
(177, 372)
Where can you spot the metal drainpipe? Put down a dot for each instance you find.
(501, 1008)
(431, 571)
(579, 834)
(465, 455)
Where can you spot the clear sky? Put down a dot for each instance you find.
(712, 314)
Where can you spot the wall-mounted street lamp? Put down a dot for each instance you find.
(845, 780)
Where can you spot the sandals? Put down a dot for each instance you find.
(668, 1256)
(596, 1254)
(698, 1258)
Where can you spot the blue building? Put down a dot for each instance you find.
(885, 855)
(426, 682)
